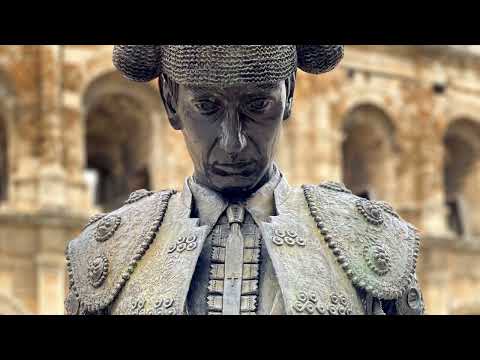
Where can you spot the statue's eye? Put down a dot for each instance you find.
(207, 107)
(258, 105)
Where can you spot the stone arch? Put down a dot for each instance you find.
(462, 176)
(119, 130)
(10, 306)
(359, 95)
(368, 152)
(101, 66)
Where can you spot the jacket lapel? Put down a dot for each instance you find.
(300, 264)
(160, 284)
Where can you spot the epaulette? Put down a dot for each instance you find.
(375, 247)
(102, 258)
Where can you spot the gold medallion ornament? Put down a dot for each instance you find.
(106, 228)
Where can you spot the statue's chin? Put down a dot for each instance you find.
(234, 185)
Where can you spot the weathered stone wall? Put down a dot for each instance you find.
(63, 108)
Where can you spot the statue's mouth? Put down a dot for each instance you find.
(241, 168)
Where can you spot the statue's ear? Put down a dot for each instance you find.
(169, 94)
(290, 87)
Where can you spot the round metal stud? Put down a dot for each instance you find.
(181, 247)
(313, 298)
(302, 296)
(181, 240)
(172, 248)
(292, 233)
(191, 246)
(300, 241)
(310, 308)
(280, 233)
(334, 299)
(332, 310)
(277, 240)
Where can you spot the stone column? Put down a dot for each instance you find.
(52, 236)
(472, 199)
(430, 154)
(50, 283)
(24, 132)
(158, 166)
(434, 280)
(74, 150)
(51, 173)
(432, 194)
(324, 146)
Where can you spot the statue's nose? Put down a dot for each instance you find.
(232, 140)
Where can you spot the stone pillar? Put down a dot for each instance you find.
(51, 173)
(158, 168)
(50, 283)
(304, 125)
(24, 132)
(323, 146)
(406, 202)
(432, 194)
(430, 154)
(471, 195)
(74, 150)
(434, 280)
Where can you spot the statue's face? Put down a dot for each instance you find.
(231, 133)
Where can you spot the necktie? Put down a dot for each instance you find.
(232, 290)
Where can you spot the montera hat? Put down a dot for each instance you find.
(223, 65)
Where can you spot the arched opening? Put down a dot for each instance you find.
(462, 177)
(368, 153)
(118, 142)
(3, 160)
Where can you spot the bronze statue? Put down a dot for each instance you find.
(238, 239)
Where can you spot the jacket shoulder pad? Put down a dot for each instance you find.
(101, 259)
(374, 246)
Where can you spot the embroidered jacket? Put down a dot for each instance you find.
(327, 251)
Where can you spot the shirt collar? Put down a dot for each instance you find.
(210, 204)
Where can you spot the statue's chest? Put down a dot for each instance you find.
(304, 274)
(311, 280)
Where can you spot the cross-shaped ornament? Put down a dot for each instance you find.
(234, 277)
